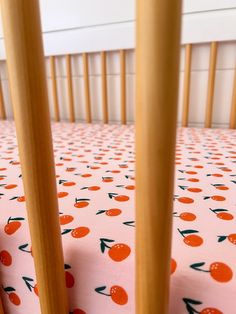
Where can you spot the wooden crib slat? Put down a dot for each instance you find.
(87, 88)
(156, 112)
(104, 86)
(232, 124)
(2, 105)
(54, 89)
(70, 89)
(123, 86)
(1, 307)
(24, 49)
(211, 85)
(186, 90)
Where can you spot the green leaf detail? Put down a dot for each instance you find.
(17, 218)
(221, 238)
(81, 199)
(191, 301)
(65, 231)
(9, 289)
(103, 244)
(189, 231)
(218, 210)
(182, 187)
(106, 240)
(111, 195)
(99, 289)
(100, 212)
(66, 266)
(197, 265)
(129, 223)
(23, 246)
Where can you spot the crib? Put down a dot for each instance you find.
(90, 172)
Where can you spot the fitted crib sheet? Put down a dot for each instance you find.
(96, 187)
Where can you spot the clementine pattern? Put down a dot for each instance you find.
(96, 188)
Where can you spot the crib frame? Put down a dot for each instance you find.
(157, 65)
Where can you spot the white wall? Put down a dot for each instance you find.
(73, 26)
(76, 26)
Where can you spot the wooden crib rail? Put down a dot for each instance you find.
(54, 89)
(104, 86)
(2, 105)
(123, 86)
(232, 124)
(186, 88)
(1, 307)
(211, 85)
(21, 21)
(70, 89)
(87, 88)
(157, 68)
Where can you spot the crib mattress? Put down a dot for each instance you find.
(96, 187)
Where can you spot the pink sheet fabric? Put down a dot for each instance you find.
(95, 177)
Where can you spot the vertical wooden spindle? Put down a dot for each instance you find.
(104, 86)
(2, 105)
(87, 88)
(54, 89)
(211, 85)
(24, 50)
(157, 68)
(1, 307)
(232, 124)
(70, 89)
(186, 89)
(123, 86)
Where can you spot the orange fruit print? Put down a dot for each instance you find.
(96, 211)
(185, 200)
(69, 279)
(14, 298)
(65, 219)
(5, 258)
(78, 311)
(191, 238)
(13, 224)
(12, 295)
(219, 271)
(80, 232)
(222, 213)
(81, 203)
(118, 252)
(110, 212)
(192, 304)
(173, 266)
(117, 294)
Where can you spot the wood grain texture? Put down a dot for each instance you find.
(211, 85)
(186, 87)
(157, 68)
(54, 89)
(24, 47)
(87, 89)
(1, 307)
(104, 87)
(123, 86)
(2, 104)
(70, 89)
(232, 123)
